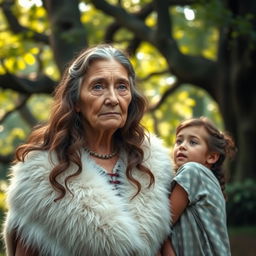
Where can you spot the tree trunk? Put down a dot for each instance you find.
(237, 90)
(68, 36)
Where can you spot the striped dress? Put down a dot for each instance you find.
(201, 229)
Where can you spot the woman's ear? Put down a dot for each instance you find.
(212, 158)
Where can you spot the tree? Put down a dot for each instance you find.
(229, 77)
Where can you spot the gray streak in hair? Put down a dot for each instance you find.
(79, 67)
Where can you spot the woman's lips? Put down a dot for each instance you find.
(110, 114)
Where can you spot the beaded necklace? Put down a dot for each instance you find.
(101, 156)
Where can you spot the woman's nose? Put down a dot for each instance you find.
(111, 97)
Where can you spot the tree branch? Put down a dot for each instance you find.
(191, 69)
(21, 102)
(164, 97)
(133, 46)
(163, 19)
(23, 85)
(115, 26)
(27, 116)
(6, 159)
(126, 20)
(157, 73)
(142, 14)
(68, 35)
(17, 28)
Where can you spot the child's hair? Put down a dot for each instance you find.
(217, 141)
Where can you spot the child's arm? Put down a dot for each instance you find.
(167, 249)
(178, 201)
(22, 250)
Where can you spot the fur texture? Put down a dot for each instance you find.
(96, 221)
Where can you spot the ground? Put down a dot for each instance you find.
(243, 241)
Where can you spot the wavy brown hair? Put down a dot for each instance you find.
(217, 141)
(64, 132)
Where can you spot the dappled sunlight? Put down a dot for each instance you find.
(83, 7)
(189, 13)
(40, 106)
(30, 42)
(30, 3)
(9, 140)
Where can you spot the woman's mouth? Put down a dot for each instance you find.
(109, 113)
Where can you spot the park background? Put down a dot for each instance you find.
(192, 58)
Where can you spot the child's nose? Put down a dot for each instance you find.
(183, 145)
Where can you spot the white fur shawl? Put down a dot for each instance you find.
(96, 221)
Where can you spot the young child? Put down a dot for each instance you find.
(197, 198)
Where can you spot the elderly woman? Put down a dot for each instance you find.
(90, 182)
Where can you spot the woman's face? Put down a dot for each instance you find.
(105, 96)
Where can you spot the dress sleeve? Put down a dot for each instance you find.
(189, 177)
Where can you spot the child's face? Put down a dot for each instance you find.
(191, 146)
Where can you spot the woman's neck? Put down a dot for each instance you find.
(100, 142)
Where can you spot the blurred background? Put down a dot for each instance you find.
(192, 58)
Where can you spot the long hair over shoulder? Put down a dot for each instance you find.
(64, 132)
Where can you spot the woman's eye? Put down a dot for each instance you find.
(122, 87)
(97, 87)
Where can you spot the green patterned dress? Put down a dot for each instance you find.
(201, 229)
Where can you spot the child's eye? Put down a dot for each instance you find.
(193, 142)
(178, 141)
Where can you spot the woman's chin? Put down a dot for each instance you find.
(111, 125)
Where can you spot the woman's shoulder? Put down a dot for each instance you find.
(37, 159)
(29, 179)
(157, 156)
(155, 145)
